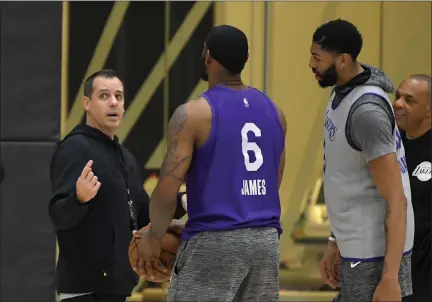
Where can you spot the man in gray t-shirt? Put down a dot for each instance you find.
(366, 184)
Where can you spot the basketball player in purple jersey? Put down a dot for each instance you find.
(229, 145)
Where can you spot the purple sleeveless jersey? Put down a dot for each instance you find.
(232, 182)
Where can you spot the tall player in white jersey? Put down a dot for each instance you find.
(366, 184)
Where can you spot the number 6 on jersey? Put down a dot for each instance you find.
(250, 146)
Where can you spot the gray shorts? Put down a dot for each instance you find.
(239, 265)
(358, 280)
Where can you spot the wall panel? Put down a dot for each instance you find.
(30, 39)
(30, 73)
(407, 39)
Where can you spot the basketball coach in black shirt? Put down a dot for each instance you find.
(412, 106)
(98, 200)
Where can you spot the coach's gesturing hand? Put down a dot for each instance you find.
(87, 184)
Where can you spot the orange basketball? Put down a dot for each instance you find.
(169, 246)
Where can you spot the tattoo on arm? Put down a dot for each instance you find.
(172, 163)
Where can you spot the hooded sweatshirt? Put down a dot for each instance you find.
(94, 237)
(359, 127)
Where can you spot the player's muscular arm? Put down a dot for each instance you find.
(180, 139)
(386, 175)
(282, 158)
(372, 132)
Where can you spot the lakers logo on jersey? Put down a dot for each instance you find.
(423, 171)
(330, 126)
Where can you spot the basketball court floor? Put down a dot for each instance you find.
(159, 294)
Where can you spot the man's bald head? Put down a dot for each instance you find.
(412, 105)
(422, 77)
(427, 79)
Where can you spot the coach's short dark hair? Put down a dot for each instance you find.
(339, 36)
(88, 85)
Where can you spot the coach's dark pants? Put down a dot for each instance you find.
(239, 265)
(421, 280)
(96, 298)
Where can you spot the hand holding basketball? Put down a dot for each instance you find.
(134, 258)
(87, 184)
(148, 255)
(168, 247)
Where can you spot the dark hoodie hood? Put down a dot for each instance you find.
(370, 76)
(84, 129)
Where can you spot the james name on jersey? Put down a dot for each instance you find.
(253, 187)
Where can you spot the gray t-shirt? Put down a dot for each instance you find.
(370, 127)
